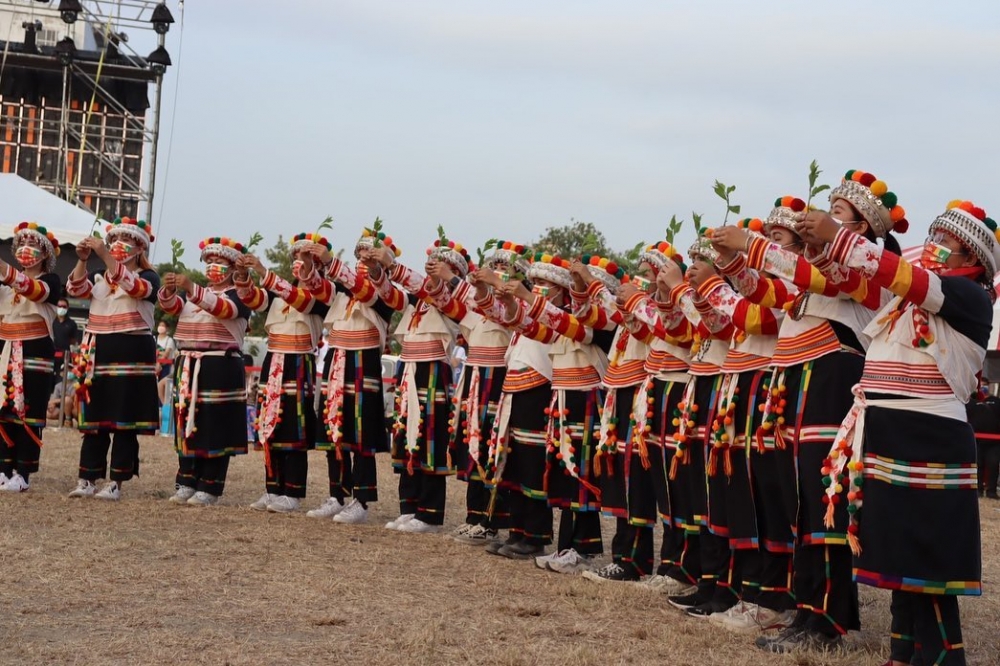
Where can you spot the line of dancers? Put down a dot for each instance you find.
(786, 401)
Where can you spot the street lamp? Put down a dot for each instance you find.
(70, 10)
(159, 60)
(161, 18)
(66, 51)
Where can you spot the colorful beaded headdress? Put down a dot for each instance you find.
(551, 268)
(978, 232)
(50, 246)
(658, 254)
(367, 242)
(300, 241)
(784, 212)
(451, 253)
(608, 272)
(219, 246)
(871, 197)
(513, 254)
(134, 229)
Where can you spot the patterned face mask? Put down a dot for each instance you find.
(217, 273)
(121, 250)
(28, 256)
(297, 268)
(935, 257)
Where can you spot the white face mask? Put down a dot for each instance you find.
(62, 312)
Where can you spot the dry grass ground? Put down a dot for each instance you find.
(144, 581)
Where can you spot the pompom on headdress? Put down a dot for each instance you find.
(220, 246)
(300, 241)
(608, 272)
(369, 237)
(552, 268)
(136, 230)
(47, 240)
(975, 230)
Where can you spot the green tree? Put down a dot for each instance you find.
(279, 258)
(578, 238)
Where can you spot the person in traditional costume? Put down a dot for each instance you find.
(818, 358)
(737, 470)
(116, 369)
(286, 419)
(666, 367)
(209, 376)
(516, 450)
(28, 299)
(904, 459)
(478, 391)
(352, 421)
(622, 458)
(579, 359)
(693, 419)
(420, 451)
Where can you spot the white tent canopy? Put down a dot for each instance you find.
(22, 201)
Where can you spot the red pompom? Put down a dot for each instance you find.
(867, 179)
(797, 205)
(978, 213)
(901, 227)
(612, 267)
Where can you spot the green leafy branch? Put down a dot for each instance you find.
(673, 228)
(698, 229)
(255, 240)
(376, 230)
(325, 224)
(723, 191)
(481, 252)
(591, 243)
(95, 228)
(442, 236)
(814, 189)
(176, 252)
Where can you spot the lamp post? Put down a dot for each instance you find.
(158, 61)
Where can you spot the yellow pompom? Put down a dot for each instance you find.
(547, 258)
(954, 203)
(879, 188)
(603, 263)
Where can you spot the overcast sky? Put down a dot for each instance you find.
(503, 118)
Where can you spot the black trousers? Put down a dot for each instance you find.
(926, 629)
(825, 589)
(715, 562)
(124, 455)
(581, 531)
(422, 495)
(207, 475)
(685, 556)
(288, 473)
(477, 506)
(767, 579)
(988, 454)
(22, 457)
(530, 519)
(353, 474)
(632, 547)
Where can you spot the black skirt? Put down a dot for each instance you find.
(613, 469)
(524, 469)
(220, 408)
(363, 424)
(296, 430)
(38, 355)
(689, 496)
(432, 379)
(563, 489)
(490, 387)
(123, 394)
(919, 521)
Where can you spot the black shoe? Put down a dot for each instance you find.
(797, 639)
(493, 548)
(992, 496)
(613, 572)
(702, 611)
(686, 601)
(522, 550)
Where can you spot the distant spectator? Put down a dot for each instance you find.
(63, 392)
(458, 358)
(166, 350)
(65, 334)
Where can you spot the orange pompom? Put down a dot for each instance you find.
(897, 213)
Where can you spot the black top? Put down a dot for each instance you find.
(64, 333)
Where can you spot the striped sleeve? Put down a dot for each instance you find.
(447, 302)
(30, 288)
(135, 286)
(746, 316)
(888, 270)
(252, 296)
(564, 323)
(215, 304)
(172, 304)
(79, 288)
(296, 297)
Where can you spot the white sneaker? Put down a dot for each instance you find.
(330, 507)
(572, 563)
(111, 492)
(15, 484)
(666, 585)
(461, 530)
(417, 526)
(399, 522)
(745, 617)
(283, 504)
(542, 561)
(264, 502)
(354, 513)
(83, 488)
(181, 494)
(202, 498)
(3, 480)
(478, 535)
